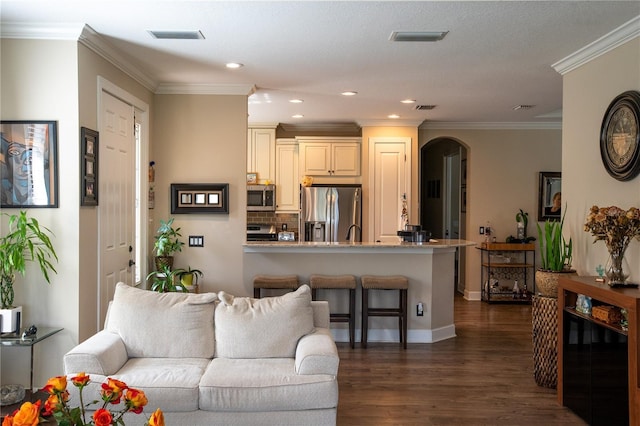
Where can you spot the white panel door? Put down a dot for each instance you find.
(117, 194)
(389, 175)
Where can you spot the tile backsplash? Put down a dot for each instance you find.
(277, 219)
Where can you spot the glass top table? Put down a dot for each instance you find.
(13, 339)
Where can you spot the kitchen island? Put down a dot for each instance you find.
(429, 266)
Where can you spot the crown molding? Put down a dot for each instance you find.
(390, 123)
(604, 44)
(205, 89)
(549, 125)
(26, 30)
(92, 40)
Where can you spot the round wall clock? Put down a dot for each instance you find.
(620, 138)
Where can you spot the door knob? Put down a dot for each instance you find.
(131, 262)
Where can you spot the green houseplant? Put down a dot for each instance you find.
(167, 242)
(26, 241)
(190, 276)
(164, 280)
(555, 251)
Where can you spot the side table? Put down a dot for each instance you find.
(13, 340)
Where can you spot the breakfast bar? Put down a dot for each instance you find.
(429, 266)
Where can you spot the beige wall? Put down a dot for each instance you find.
(90, 67)
(203, 138)
(502, 178)
(63, 87)
(39, 82)
(588, 90)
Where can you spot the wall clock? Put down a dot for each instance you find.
(620, 138)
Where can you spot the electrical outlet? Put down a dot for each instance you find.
(419, 309)
(481, 230)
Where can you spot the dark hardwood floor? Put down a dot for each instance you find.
(484, 376)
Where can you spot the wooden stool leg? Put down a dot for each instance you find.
(256, 293)
(365, 316)
(404, 315)
(352, 317)
(314, 294)
(400, 315)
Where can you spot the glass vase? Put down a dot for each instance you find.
(617, 267)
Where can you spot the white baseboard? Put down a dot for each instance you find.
(472, 295)
(385, 335)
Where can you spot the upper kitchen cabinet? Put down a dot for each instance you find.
(261, 152)
(321, 156)
(287, 177)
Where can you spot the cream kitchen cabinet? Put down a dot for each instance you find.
(261, 152)
(287, 177)
(321, 156)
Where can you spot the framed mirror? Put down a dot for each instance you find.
(549, 196)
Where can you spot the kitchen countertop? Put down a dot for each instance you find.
(363, 247)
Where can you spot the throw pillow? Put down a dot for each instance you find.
(163, 325)
(262, 328)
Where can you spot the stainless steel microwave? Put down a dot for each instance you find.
(261, 198)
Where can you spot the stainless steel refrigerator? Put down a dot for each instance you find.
(331, 213)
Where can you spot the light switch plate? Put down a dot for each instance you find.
(196, 241)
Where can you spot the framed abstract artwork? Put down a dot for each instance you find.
(29, 164)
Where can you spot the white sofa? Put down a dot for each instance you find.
(216, 359)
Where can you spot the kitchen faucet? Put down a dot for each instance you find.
(349, 231)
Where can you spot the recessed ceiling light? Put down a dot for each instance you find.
(393, 116)
(296, 101)
(408, 101)
(234, 65)
(349, 93)
(177, 35)
(297, 116)
(417, 35)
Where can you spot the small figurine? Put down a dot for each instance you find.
(600, 271)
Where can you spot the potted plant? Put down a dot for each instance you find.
(26, 241)
(167, 242)
(164, 280)
(190, 276)
(555, 255)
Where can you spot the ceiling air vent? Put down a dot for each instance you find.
(424, 107)
(177, 35)
(417, 35)
(519, 107)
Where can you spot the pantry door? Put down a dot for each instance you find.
(390, 180)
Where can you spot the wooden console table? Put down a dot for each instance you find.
(598, 364)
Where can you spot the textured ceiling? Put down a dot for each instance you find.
(497, 54)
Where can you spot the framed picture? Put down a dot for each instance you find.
(252, 178)
(194, 198)
(549, 196)
(88, 167)
(29, 164)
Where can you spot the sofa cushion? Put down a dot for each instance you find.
(264, 385)
(262, 328)
(158, 325)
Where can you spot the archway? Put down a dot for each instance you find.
(443, 190)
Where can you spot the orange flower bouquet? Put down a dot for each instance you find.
(57, 405)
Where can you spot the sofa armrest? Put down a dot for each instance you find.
(103, 353)
(317, 353)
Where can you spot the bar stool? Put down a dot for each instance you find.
(391, 282)
(338, 282)
(270, 282)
